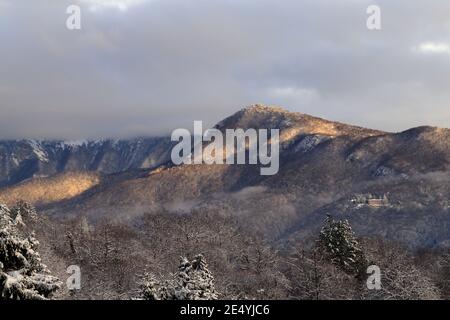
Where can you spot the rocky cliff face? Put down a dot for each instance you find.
(25, 159)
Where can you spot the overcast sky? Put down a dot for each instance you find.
(145, 67)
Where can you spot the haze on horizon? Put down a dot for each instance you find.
(146, 67)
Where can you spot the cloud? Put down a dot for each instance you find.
(434, 48)
(3, 5)
(115, 4)
(292, 96)
(162, 64)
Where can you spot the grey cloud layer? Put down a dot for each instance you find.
(160, 64)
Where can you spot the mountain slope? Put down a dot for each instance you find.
(24, 159)
(324, 166)
(42, 191)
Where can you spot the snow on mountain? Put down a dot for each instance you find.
(38, 150)
(24, 159)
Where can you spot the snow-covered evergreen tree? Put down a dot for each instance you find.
(193, 281)
(339, 242)
(150, 288)
(23, 276)
(23, 212)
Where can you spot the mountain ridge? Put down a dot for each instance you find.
(323, 166)
(25, 159)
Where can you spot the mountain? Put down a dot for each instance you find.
(24, 159)
(394, 185)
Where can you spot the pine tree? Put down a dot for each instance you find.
(23, 276)
(150, 288)
(193, 281)
(339, 243)
(23, 212)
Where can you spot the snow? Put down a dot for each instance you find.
(38, 150)
(383, 171)
(14, 159)
(98, 141)
(286, 123)
(309, 142)
(193, 281)
(73, 143)
(22, 275)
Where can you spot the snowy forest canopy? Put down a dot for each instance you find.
(203, 256)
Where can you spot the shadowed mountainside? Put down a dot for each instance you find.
(25, 159)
